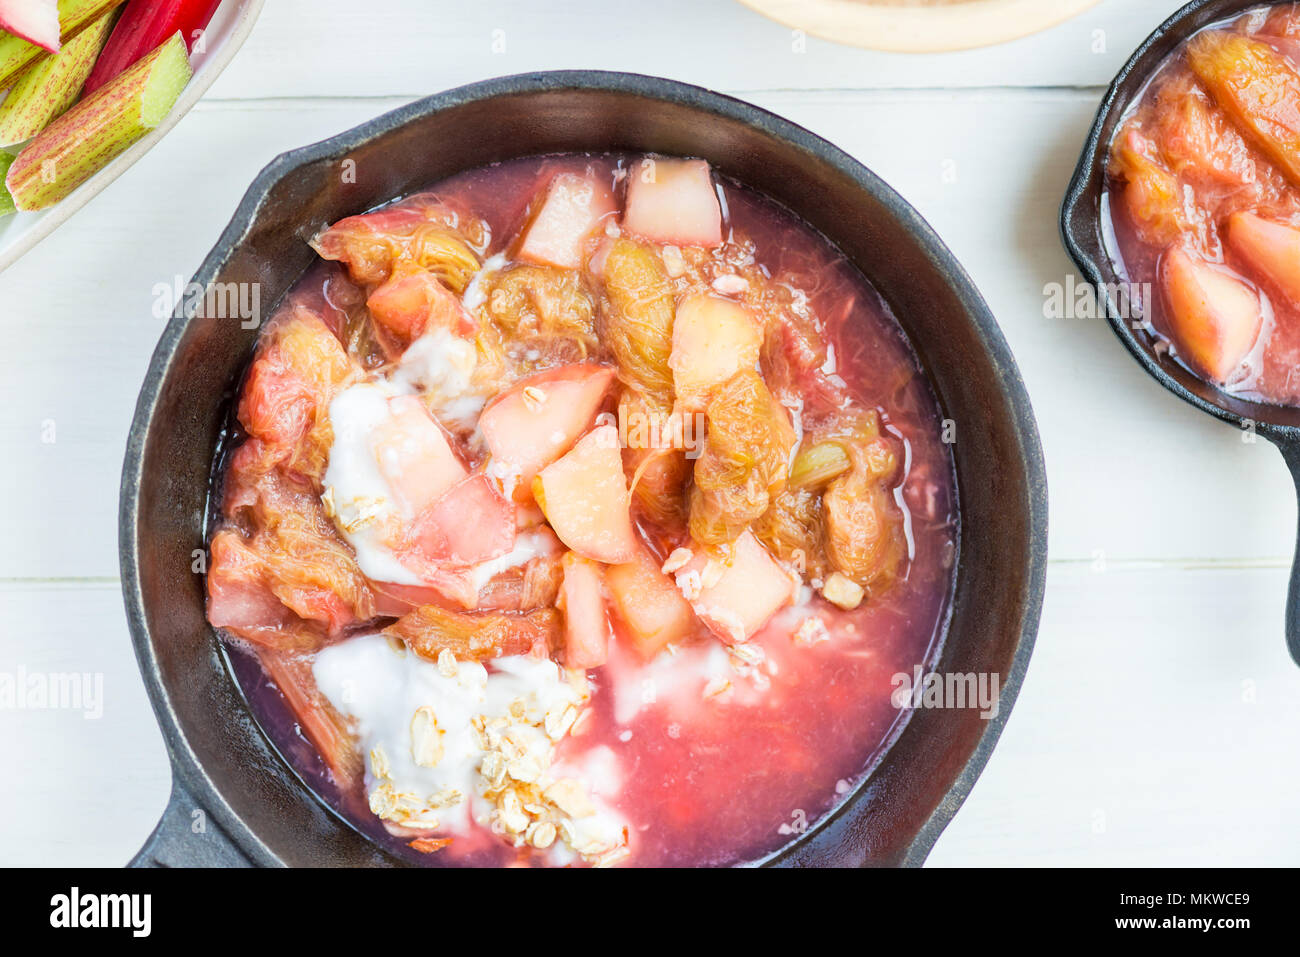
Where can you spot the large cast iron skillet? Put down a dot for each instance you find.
(235, 800)
(1084, 234)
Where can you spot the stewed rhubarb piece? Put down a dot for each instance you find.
(1152, 195)
(649, 606)
(586, 625)
(429, 630)
(415, 456)
(322, 724)
(412, 301)
(471, 523)
(571, 212)
(737, 594)
(1255, 85)
(539, 419)
(713, 339)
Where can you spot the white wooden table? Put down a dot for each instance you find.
(1160, 721)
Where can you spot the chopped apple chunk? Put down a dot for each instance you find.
(572, 211)
(653, 612)
(713, 339)
(1214, 318)
(414, 455)
(539, 419)
(471, 523)
(585, 498)
(586, 626)
(673, 201)
(1271, 248)
(738, 597)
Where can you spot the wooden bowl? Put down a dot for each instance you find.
(920, 26)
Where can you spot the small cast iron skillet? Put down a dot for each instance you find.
(227, 775)
(1082, 228)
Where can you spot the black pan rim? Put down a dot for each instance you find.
(187, 768)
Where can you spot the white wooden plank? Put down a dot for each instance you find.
(1157, 727)
(79, 790)
(79, 326)
(415, 47)
(1134, 474)
(1154, 728)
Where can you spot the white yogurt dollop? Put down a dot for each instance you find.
(365, 509)
(440, 366)
(455, 745)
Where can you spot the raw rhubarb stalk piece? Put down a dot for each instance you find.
(144, 25)
(6, 201)
(36, 21)
(50, 86)
(74, 16)
(98, 129)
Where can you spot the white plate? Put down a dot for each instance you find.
(225, 35)
(918, 26)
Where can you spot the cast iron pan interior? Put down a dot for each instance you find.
(224, 765)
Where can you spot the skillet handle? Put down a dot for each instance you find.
(1290, 448)
(187, 836)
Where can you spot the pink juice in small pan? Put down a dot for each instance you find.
(572, 652)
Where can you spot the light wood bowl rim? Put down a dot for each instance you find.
(960, 26)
